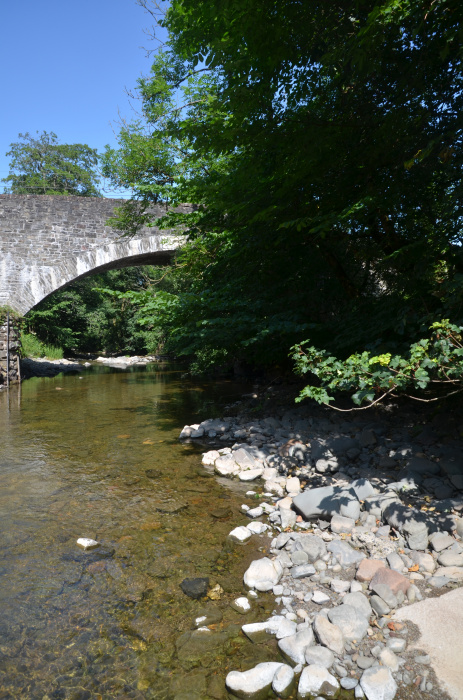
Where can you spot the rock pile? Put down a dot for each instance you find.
(361, 523)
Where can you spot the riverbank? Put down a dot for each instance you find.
(45, 367)
(360, 513)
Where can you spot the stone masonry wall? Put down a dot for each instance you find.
(47, 241)
(14, 346)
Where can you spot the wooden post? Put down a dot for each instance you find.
(7, 349)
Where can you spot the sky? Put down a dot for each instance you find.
(66, 67)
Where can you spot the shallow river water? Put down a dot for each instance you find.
(98, 455)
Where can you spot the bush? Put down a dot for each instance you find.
(33, 347)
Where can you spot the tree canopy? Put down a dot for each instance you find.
(42, 165)
(322, 144)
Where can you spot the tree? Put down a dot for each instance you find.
(44, 166)
(323, 145)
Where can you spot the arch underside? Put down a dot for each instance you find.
(159, 258)
(42, 281)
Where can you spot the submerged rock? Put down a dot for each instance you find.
(195, 587)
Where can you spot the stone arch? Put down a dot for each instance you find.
(47, 242)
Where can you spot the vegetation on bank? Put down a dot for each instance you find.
(31, 346)
(323, 146)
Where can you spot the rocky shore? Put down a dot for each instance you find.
(361, 516)
(45, 367)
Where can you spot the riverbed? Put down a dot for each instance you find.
(96, 454)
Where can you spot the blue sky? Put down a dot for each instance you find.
(65, 67)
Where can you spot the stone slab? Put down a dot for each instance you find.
(440, 621)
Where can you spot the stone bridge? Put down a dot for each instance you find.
(48, 241)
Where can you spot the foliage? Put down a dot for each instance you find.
(15, 317)
(322, 145)
(44, 166)
(434, 362)
(33, 347)
(82, 318)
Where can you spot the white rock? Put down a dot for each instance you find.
(389, 659)
(293, 648)
(328, 634)
(320, 598)
(241, 534)
(267, 507)
(274, 487)
(320, 656)
(255, 512)
(339, 586)
(225, 465)
(255, 682)
(339, 523)
(350, 620)
(356, 587)
(242, 605)
(87, 543)
(257, 528)
(283, 681)
(286, 628)
(210, 457)
(197, 433)
(378, 684)
(293, 485)
(313, 678)
(288, 518)
(263, 574)
(186, 432)
(277, 625)
(250, 474)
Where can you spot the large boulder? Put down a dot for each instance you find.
(327, 501)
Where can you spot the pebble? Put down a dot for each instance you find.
(320, 598)
(87, 543)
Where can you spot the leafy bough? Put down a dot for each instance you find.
(434, 363)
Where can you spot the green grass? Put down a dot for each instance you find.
(33, 347)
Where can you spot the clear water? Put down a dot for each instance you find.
(98, 456)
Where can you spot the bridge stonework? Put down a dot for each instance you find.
(48, 241)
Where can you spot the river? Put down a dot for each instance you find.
(96, 454)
